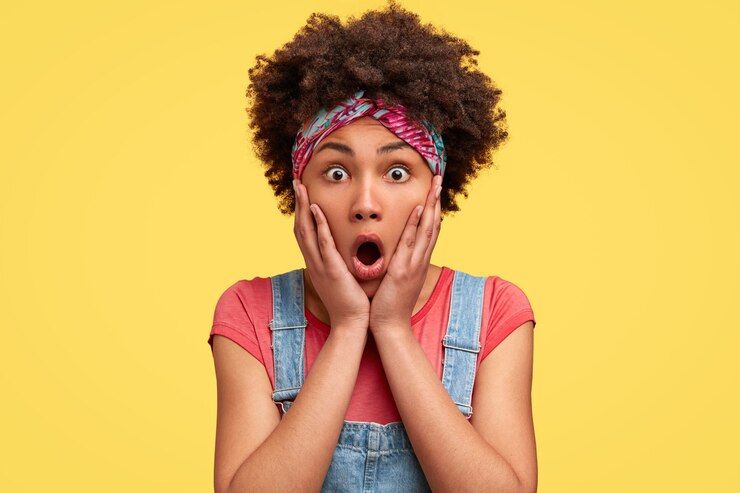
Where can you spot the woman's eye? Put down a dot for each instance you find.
(335, 173)
(396, 173)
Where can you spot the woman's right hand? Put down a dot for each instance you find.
(344, 299)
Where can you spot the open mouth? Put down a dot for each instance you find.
(368, 258)
(368, 253)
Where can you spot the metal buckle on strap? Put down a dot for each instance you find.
(305, 323)
(454, 344)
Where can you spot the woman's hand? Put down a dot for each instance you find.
(342, 296)
(394, 301)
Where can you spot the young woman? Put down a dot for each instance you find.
(361, 371)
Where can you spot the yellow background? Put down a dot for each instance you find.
(131, 198)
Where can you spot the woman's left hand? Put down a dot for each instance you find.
(394, 301)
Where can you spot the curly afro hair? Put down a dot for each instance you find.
(390, 54)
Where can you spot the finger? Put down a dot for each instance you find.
(425, 230)
(437, 228)
(408, 236)
(304, 229)
(332, 258)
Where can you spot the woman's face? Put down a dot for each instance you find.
(366, 180)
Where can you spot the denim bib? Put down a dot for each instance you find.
(371, 457)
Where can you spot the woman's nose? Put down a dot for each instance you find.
(365, 206)
(361, 215)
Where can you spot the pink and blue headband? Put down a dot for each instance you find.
(421, 136)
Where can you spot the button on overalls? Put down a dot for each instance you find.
(371, 457)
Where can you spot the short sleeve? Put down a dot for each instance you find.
(231, 319)
(508, 308)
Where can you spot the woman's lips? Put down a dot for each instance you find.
(368, 272)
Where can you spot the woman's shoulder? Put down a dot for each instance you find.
(245, 294)
(504, 298)
(245, 286)
(497, 287)
(241, 311)
(507, 307)
(505, 304)
(236, 301)
(492, 280)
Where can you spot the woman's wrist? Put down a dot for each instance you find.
(349, 331)
(390, 327)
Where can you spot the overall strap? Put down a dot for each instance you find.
(462, 339)
(288, 327)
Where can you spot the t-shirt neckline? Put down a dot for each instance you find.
(446, 272)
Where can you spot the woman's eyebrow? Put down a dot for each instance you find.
(393, 146)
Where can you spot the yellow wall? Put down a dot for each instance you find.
(130, 199)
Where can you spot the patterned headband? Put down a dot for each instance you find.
(422, 137)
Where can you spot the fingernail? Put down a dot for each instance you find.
(294, 187)
(439, 190)
(418, 211)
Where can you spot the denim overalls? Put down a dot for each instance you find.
(371, 457)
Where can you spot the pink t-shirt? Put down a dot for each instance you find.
(244, 310)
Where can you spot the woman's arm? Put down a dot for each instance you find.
(255, 450)
(496, 450)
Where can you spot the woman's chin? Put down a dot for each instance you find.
(370, 287)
